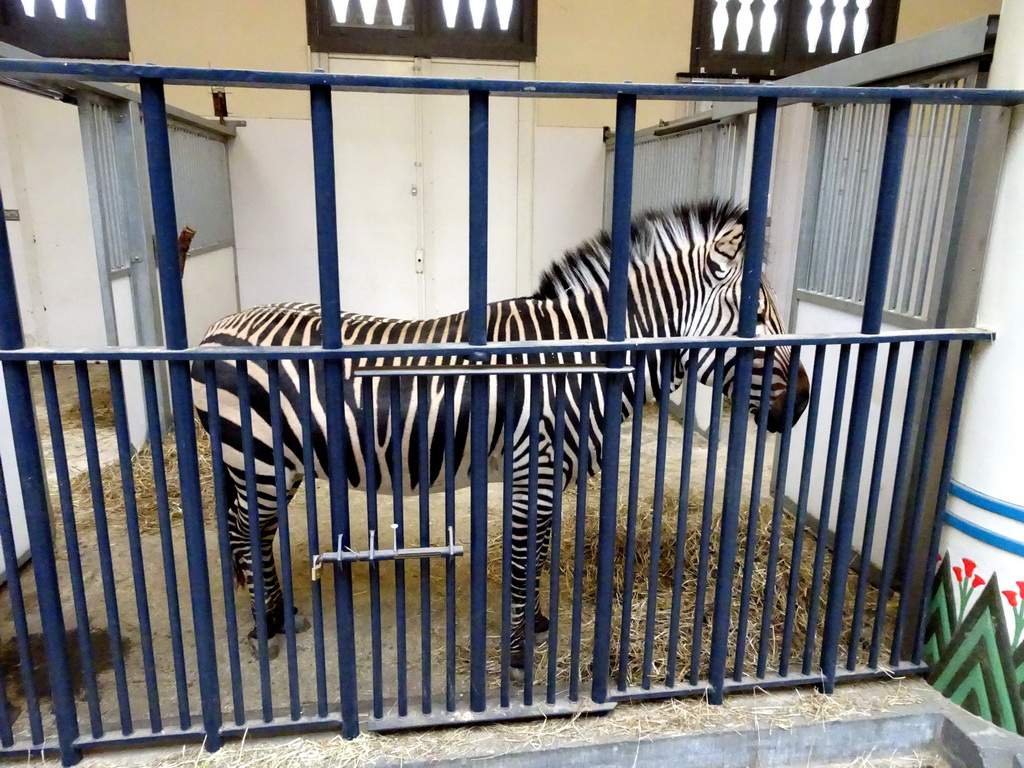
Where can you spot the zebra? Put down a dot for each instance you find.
(684, 280)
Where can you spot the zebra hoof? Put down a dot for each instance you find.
(517, 675)
(273, 646)
(301, 623)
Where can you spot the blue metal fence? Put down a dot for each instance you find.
(221, 710)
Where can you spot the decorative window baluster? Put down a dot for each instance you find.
(451, 12)
(505, 13)
(340, 8)
(476, 11)
(744, 24)
(720, 23)
(397, 8)
(860, 25)
(837, 29)
(815, 22)
(768, 23)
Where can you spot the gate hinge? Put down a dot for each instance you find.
(373, 555)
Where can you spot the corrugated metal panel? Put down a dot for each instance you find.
(202, 187)
(851, 141)
(684, 166)
(111, 190)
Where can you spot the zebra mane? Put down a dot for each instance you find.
(586, 267)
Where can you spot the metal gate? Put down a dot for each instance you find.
(131, 680)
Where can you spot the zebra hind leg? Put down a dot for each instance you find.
(238, 530)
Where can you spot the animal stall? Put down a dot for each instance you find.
(567, 591)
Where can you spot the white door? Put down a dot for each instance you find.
(403, 191)
(378, 209)
(446, 153)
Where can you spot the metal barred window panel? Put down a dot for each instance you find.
(837, 238)
(688, 165)
(202, 186)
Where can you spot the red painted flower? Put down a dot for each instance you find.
(978, 581)
(959, 573)
(1011, 597)
(969, 566)
(1020, 588)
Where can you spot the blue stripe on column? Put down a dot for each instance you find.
(981, 501)
(993, 539)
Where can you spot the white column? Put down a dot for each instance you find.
(990, 451)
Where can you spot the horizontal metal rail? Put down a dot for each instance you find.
(123, 73)
(478, 369)
(497, 348)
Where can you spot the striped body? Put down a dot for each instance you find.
(684, 281)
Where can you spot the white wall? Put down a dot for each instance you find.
(209, 288)
(812, 318)
(568, 196)
(43, 172)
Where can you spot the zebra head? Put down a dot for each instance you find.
(717, 234)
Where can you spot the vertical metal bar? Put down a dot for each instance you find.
(825, 507)
(508, 384)
(220, 478)
(370, 462)
(781, 475)
(103, 546)
(166, 540)
(711, 468)
(423, 480)
(284, 532)
(20, 617)
(628, 578)
(810, 438)
(753, 510)
(582, 473)
(478, 443)
(874, 301)
(664, 378)
(37, 516)
(312, 532)
(757, 220)
(6, 732)
(67, 508)
(533, 473)
(871, 514)
(322, 119)
(914, 532)
(124, 450)
(622, 193)
(899, 498)
(252, 510)
(448, 421)
(154, 113)
(682, 514)
(558, 475)
(963, 368)
(397, 494)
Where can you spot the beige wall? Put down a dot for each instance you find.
(608, 40)
(249, 34)
(918, 17)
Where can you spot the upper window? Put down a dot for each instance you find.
(67, 29)
(775, 38)
(466, 29)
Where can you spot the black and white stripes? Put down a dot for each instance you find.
(683, 281)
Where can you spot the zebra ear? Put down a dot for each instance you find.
(730, 242)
